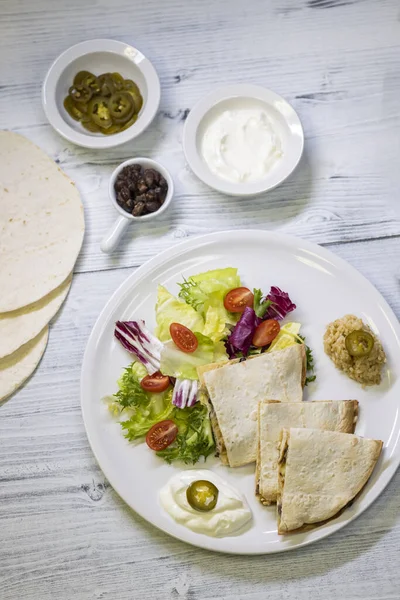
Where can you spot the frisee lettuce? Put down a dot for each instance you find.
(194, 439)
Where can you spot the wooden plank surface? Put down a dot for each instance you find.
(64, 532)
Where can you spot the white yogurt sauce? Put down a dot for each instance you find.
(229, 515)
(241, 145)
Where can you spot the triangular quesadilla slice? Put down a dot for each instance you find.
(332, 415)
(320, 473)
(234, 391)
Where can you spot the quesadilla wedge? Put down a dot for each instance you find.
(234, 391)
(332, 415)
(320, 473)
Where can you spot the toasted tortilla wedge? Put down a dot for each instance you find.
(320, 473)
(235, 389)
(332, 415)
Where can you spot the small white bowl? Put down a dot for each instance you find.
(99, 56)
(113, 237)
(285, 118)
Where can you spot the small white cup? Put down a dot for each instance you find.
(112, 238)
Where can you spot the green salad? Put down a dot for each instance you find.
(213, 319)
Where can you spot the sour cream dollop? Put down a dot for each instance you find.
(241, 145)
(228, 516)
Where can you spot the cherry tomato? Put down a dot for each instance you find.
(236, 300)
(183, 337)
(265, 333)
(161, 435)
(155, 383)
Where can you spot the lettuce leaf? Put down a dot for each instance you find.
(204, 289)
(158, 409)
(288, 336)
(170, 309)
(206, 293)
(183, 365)
(141, 409)
(215, 325)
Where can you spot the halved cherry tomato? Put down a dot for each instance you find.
(265, 333)
(183, 337)
(236, 300)
(161, 435)
(155, 383)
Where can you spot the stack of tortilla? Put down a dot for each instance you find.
(41, 233)
(308, 460)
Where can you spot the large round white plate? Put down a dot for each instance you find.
(324, 287)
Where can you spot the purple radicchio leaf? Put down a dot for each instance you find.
(137, 339)
(185, 393)
(242, 334)
(192, 399)
(280, 306)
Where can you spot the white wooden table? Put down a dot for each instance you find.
(64, 533)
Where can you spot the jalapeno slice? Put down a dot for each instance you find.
(71, 108)
(118, 81)
(92, 82)
(359, 343)
(79, 77)
(122, 107)
(131, 85)
(111, 130)
(129, 123)
(137, 99)
(80, 93)
(88, 124)
(106, 84)
(99, 112)
(202, 495)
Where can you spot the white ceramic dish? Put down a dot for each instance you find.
(99, 56)
(113, 236)
(287, 124)
(324, 287)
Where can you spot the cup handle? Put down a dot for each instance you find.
(113, 236)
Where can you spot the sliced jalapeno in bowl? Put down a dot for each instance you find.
(106, 104)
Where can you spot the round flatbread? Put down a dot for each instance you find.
(16, 368)
(41, 223)
(20, 326)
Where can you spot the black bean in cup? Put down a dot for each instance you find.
(140, 191)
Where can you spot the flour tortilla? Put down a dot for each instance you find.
(235, 390)
(321, 472)
(20, 326)
(17, 367)
(332, 415)
(41, 223)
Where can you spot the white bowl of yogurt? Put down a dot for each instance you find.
(243, 140)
